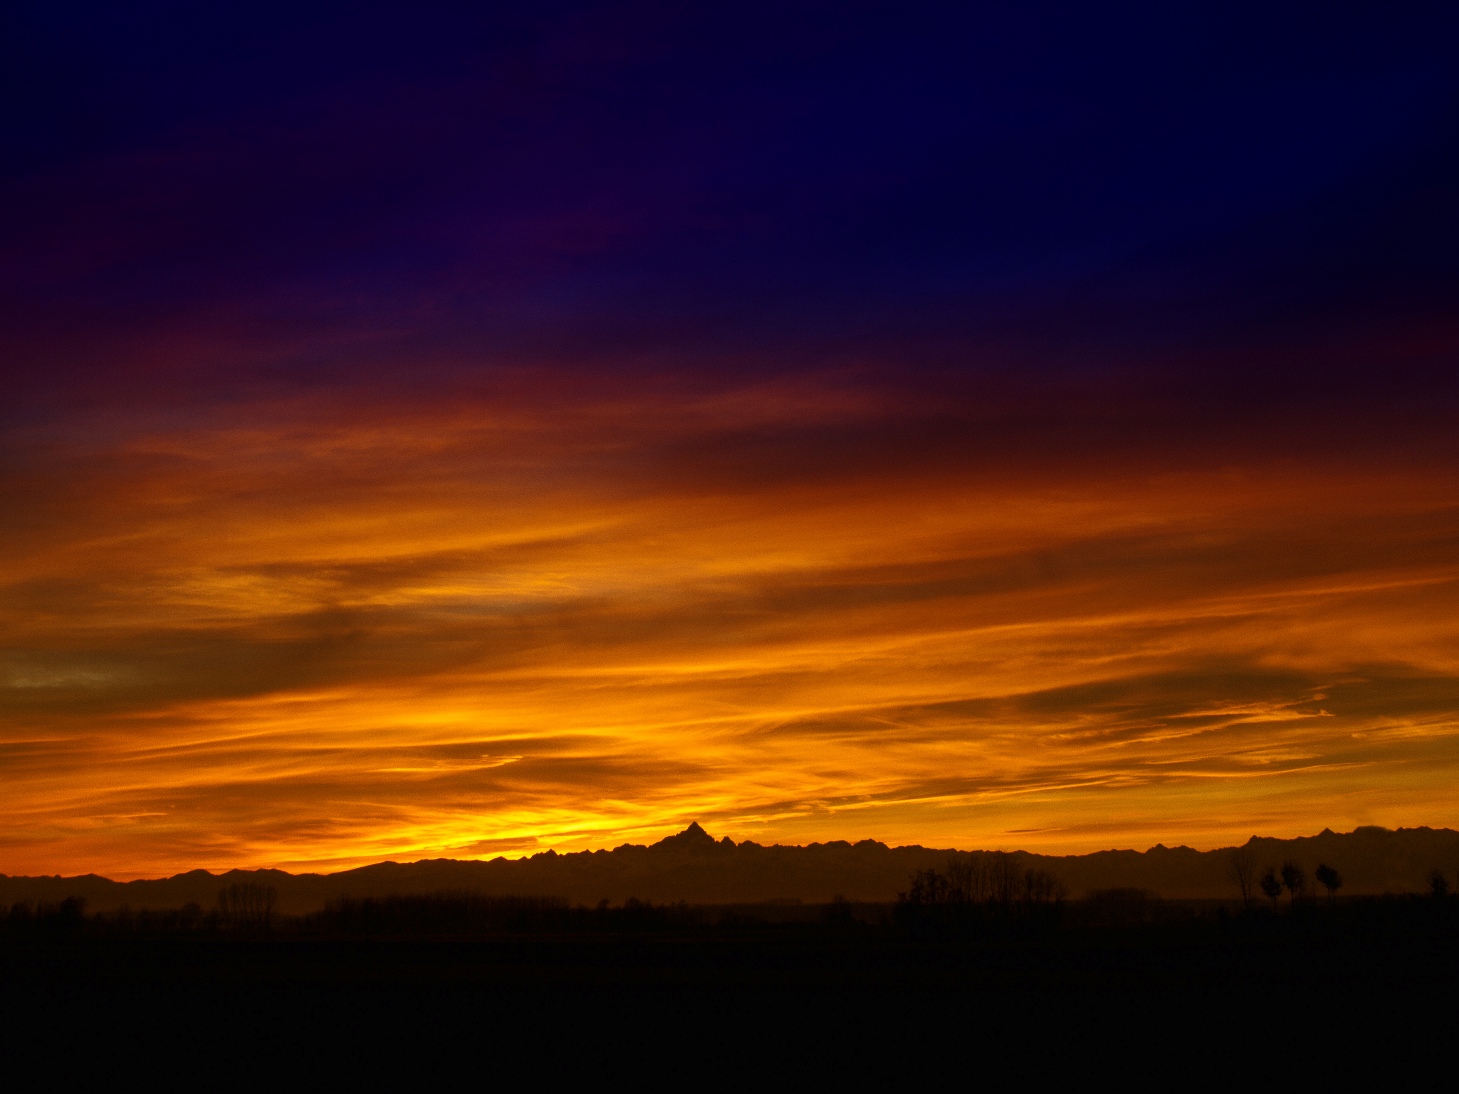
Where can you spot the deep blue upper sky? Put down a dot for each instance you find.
(442, 426)
(956, 186)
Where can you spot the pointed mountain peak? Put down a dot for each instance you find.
(693, 838)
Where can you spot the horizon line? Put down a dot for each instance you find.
(554, 853)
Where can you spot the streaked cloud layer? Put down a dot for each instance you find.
(453, 630)
(477, 433)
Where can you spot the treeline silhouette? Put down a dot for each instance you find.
(976, 939)
(980, 886)
(1273, 880)
(973, 893)
(63, 916)
(241, 909)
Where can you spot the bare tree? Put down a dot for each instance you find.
(1041, 889)
(928, 887)
(1438, 884)
(1330, 880)
(1004, 880)
(247, 905)
(974, 884)
(1241, 868)
(965, 877)
(1294, 878)
(1271, 885)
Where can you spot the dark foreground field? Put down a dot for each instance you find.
(836, 990)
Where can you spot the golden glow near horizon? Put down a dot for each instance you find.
(312, 638)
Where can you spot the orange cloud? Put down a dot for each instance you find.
(311, 636)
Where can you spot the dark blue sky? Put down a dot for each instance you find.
(948, 186)
(433, 428)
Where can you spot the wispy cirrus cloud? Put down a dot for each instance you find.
(319, 647)
(498, 429)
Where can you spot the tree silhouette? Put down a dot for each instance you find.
(1294, 878)
(978, 886)
(1040, 890)
(1003, 881)
(1438, 885)
(247, 906)
(928, 887)
(1241, 868)
(1330, 880)
(969, 878)
(1271, 885)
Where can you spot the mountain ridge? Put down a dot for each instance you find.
(693, 866)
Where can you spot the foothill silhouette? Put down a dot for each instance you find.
(946, 891)
(980, 934)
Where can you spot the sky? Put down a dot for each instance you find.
(456, 430)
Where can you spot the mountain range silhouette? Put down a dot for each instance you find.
(693, 866)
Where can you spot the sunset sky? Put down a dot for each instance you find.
(451, 430)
